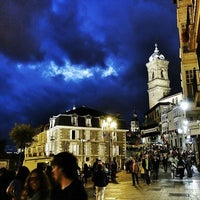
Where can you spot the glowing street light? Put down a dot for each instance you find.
(109, 125)
(184, 105)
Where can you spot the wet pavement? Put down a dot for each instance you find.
(163, 189)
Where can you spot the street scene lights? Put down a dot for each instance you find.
(109, 125)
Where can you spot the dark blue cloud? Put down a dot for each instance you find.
(57, 54)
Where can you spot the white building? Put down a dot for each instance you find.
(80, 132)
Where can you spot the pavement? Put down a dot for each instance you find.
(163, 189)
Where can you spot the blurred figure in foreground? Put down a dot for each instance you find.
(15, 187)
(36, 186)
(65, 173)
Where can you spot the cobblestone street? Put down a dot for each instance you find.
(165, 188)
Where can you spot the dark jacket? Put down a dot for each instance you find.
(155, 164)
(75, 191)
(100, 178)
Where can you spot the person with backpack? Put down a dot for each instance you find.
(134, 171)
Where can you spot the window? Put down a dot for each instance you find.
(88, 121)
(116, 150)
(74, 120)
(152, 75)
(74, 148)
(73, 135)
(114, 136)
(87, 149)
(189, 78)
(162, 75)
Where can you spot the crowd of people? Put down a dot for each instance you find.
(148, 163)
(59, 181)
(62, 180)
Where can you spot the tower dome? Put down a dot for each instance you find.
(156, 54)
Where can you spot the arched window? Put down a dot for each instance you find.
(152, 75)
(162, 75)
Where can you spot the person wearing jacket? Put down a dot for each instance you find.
(146, 164)
(134, 171)
(155, 167)
(100, 181)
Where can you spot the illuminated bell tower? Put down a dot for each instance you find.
(158, 80)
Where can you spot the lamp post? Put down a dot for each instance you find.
(109, 125)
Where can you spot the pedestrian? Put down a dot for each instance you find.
(65, 167)
(146, 164)
(36, 186)
(181, 167)
(141, 169)
(189, 166)
(15, 187)
(113, 170)
(86, 173)
(94, 168)
(134, 171)
(173, 168)
(155, 167)
(165, 161)
(100, 181)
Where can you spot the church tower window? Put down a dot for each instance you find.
(152, 75)
(162, 75)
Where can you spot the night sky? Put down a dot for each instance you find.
(56, 54)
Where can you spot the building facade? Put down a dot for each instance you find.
(80, 132)
(188, 23)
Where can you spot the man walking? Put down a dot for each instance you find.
(146, 164)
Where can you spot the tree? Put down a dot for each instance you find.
(22, 135)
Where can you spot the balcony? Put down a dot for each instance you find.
(196, 87)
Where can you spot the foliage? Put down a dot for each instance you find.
(22, 134)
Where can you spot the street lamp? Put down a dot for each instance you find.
(109, 125)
